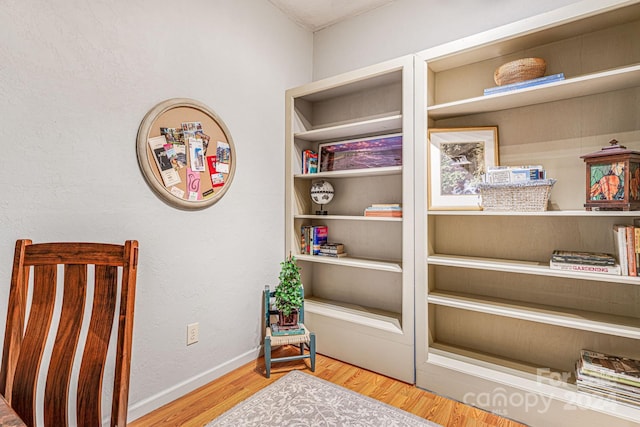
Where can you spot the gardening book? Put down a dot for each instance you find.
(585, 268)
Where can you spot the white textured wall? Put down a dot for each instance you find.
(409, 26)
(76, 79)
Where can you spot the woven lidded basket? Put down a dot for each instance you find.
(528, 196)
(519, 71)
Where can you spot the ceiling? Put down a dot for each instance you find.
(315, 15)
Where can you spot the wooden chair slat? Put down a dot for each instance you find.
(74, 253)
(35, 337)
(95, 351)
(16, 312)
(125, 338)
(66, 342)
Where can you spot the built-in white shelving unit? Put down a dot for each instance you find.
(360, 306)
(495, 326)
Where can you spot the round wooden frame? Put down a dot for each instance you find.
(171, 114)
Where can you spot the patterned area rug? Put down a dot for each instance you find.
(300, 399)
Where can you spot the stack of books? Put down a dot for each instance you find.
(611, 377)
(335, 250)
(627, 240)
(384, 209)
(586, 262)
(312, 237)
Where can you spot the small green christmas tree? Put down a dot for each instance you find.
(288, 295)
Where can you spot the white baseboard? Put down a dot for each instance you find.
(145, 406)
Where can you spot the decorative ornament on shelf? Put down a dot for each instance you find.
(519, 71)
(613, 178)
(321, 194)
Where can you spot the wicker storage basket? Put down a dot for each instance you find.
(519, 71)
(529, 196)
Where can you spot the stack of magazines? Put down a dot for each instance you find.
(585, 262)
(611, 377)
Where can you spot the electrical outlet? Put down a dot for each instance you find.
(193, 332)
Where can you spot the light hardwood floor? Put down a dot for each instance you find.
(204, 404)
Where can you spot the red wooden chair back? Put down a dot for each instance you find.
(24, 348)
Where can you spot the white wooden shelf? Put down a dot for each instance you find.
(349, 218)
(620, 326)
(476, 314)
(524, 267)
(524, 376)
(377, 319)
(353, 173)
(373, 101)
(558, 213)
(386, 124)
(393, 267)
(590, 84)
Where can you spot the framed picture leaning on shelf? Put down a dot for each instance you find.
(362, 153)
(457, 160)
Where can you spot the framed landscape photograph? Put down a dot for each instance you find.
(457, 160)
(364, 153)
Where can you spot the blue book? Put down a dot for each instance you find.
(526, 83)
(319, 238)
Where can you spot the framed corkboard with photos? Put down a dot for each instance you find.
(186, 153)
